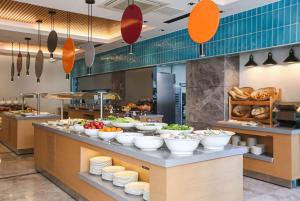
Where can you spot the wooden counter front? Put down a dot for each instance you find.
(66, 159)
(18, 134)
(284, 169)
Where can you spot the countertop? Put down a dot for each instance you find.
(21, 117)
(162, 157)
(261, 128)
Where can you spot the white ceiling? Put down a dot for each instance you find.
(155, 21)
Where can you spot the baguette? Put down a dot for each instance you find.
(238, 91)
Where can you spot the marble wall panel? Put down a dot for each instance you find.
(208, 82)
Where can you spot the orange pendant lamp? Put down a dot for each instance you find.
(68, 57)
(203, 21)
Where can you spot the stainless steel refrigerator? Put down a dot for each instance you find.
(164, 95)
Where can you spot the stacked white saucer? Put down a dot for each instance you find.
(98, 163)
(108, 172)
(136, 188)
(146, 194)
(122, 178)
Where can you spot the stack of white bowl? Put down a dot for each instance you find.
(146, 194)
(122, 178)
(108, 172)
(136, 188)
(235, 140)
(98, 163)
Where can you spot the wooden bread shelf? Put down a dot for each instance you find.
(267, 103)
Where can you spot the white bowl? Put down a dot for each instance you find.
(106, 122)
(91, 132)
(127, 139)
(257, 150)
(144, 127)
(107, 136)
(148, 143)
(175, 132)
(123, 125)
(214, 142)
(79, 128)
(182, 147)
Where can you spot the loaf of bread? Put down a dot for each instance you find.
(239, 94)
(241, 111)
(259, 110)
(264, 93)
(247, 91)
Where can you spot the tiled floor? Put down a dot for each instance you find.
(20, 182)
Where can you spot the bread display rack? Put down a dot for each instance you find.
(255, 103)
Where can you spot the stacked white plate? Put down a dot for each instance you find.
(108, 172)
(122, 178)
(98, 163)
(136, 188)
(146, 194)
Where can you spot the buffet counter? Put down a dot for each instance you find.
(280, 162)
(17, 131)
(63, 156)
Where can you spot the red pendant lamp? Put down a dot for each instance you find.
(131, 24)
(203, 22)
(68, 57)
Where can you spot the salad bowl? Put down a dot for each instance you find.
(214, 139)
(176, 129)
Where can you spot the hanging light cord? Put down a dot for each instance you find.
(68, 25)
(88, 22)
(39, 35)
(12, 51)
(27, 45)
(91, 22)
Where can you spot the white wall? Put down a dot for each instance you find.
(284, 76)
(52, 80)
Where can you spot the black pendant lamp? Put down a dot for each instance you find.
(251, 62)
(27, 57)
(39, 58)
(52, 38)
(12, 67)
(291, 58)
(270, 61)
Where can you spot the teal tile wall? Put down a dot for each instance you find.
(273, 25)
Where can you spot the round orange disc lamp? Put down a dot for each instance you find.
(68, 57)
(203, 22)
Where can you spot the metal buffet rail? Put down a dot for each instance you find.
(38, 97)
(100, 96)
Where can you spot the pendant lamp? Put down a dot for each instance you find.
(251, 62)
(12, 67)
(203, 22)
(68, 57)
(27, 57)
(39, 60)
(52, 38)
(270, 61)
(131, 25)
(291, 58)
(89, 47)
(19, 62)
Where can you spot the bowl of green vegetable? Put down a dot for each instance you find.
(107, 120)
(124, 123)
(176, 129)
(143, 126)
